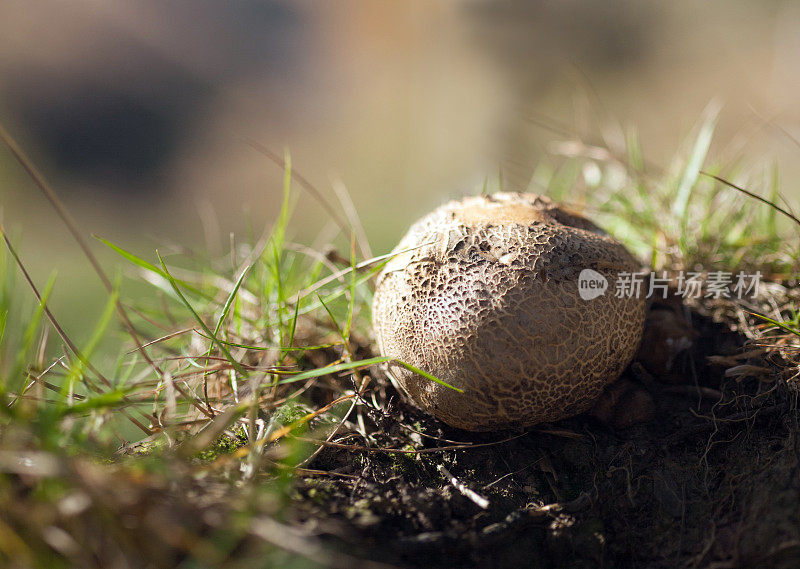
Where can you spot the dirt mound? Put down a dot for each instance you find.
(711, 481)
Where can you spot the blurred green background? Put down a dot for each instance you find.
(138, 112)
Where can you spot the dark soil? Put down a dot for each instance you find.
(710, 479)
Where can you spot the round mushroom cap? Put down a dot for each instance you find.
(483, 293)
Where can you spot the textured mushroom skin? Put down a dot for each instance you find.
(484, 295)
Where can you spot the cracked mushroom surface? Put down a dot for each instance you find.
(483, 294)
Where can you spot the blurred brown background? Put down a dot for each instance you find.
(138, 111)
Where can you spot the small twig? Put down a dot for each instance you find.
(440, 439)
(479, 500)
(405, 450)
(507, 474)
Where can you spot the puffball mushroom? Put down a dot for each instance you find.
(483, 293)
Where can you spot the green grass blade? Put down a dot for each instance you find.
(292, 330)
(364, 363)
(336, 294)
(338, 328)
(138, 261)
(236, 365)
(77, 368)
(106, 400)
(695, 162)
(351, 306)
(780, 325)
(229, 301)
(279, 290)
(774, 196)
(426, 375)
(334, 369)
(29, 335)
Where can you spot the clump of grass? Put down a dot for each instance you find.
(693, 215)
(698, 215)
(237, 371)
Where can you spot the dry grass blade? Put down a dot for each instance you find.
(162, 339)
(73, 348)
(293, 540)
(305, 184)
(352, 215)
(72, 226)
(62, 334)
(776, 207)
